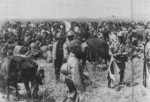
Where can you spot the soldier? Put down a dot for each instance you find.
(147, 47)
(147, 31)
(17, 49)
(33, 48)
(57, 54)
(146, 70)
(4, 49)
(73, 71)
(66, 49)
(120, 53)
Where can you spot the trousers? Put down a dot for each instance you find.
(57, 65)
(122, 68)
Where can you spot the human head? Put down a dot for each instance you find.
(148, 37)
(120, 37)
(70, 35)
(19, 42)
(75, 48)
(59, 36)
(37, 42)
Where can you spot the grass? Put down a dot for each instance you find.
(98, 91)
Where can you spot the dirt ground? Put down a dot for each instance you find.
(97, 92)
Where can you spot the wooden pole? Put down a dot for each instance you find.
(144, 67)
(132, 48)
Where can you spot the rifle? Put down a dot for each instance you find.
(144, 67)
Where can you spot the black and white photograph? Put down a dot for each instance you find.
(74, 50)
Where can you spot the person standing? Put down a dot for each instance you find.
(147, 49)
(57, 54)
(120, 53)
(74, 78)
(147, 62)
(66, 47)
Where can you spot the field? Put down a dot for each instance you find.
(97, 92)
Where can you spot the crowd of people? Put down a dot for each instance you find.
(63, 40)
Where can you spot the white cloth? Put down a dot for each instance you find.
(84, 45)
(147, 75)
(147, 49)
(116, 69)
(17, 50)
(67, 25)
(66, 49)
(76, 29)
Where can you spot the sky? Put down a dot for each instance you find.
(48, 9)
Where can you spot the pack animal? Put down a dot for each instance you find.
(21, 70)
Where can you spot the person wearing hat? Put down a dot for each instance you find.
(17, 49)
(147, 47)
(4, 49)
(120, 53)
(147, 32)
(73, 71)
(66, 47)
(33, 48)
(57, 54)
(147, 58)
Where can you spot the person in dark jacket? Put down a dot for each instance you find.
(57, 54)
(120, 52)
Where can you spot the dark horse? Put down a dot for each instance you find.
(96, 48)
(21, 70)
